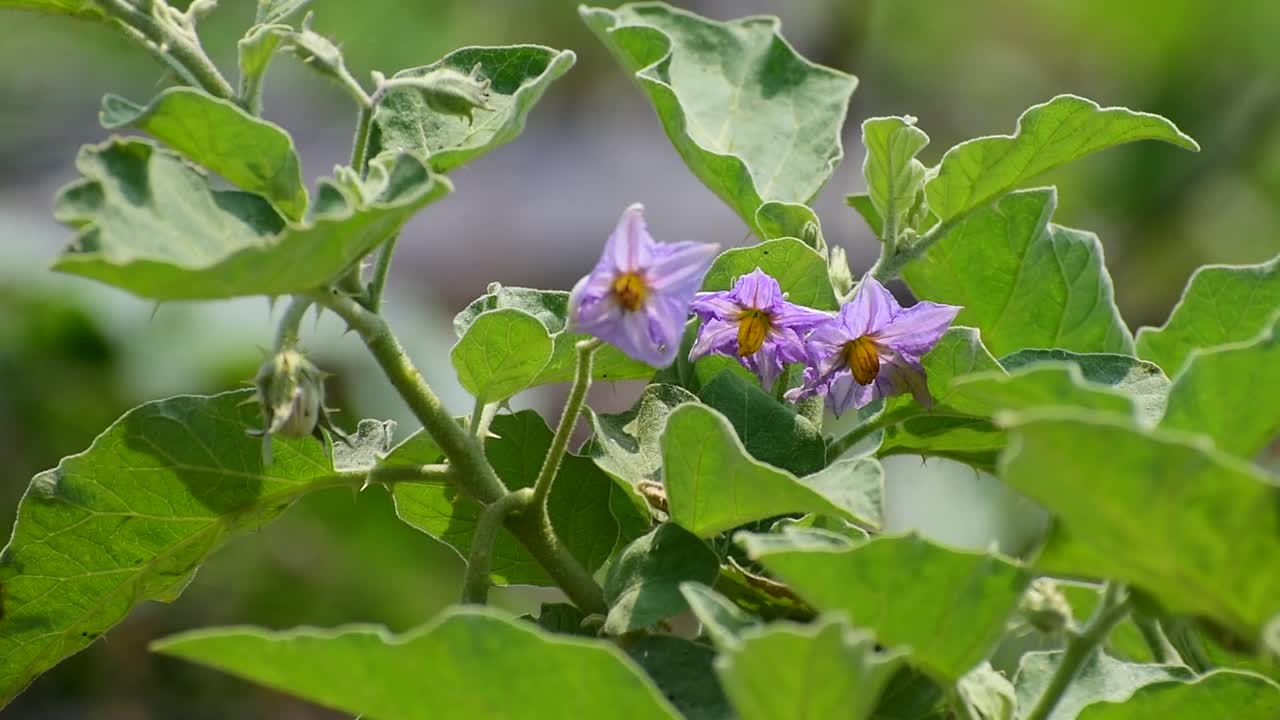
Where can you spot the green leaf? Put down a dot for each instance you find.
(723, 621)
(894, 176)
(131, 519)
(752, 119)
(791, 220)
(1142, 381)
(786, 671)
(85, 9)
(579, 502)
(682, 671)
(1232, 394)
(800, 271)
(501, 353)
(275, 11)
(892, 585)
(518, 75)
(1222, 304)
(912, 695)
(1101, 679)
(255, 52)
(477, 663)
(563, 618)
(977, 172)
(643, 584)
(1023, 281)
(772, 432)
(861, 203)
(1219, 694)
(550, 307)
(1181, 521)
(252, 153)
(713, 485)
(149, 223)
(366, 447)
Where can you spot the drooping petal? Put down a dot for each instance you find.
(871, 308)
(715, 335)
(630, 247)
(678, 268)
(589, 310)
(915, 330)
(718, 304)
(907, 377)
(631, 334)
(666, 318)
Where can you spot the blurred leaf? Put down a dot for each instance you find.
(1054, 133)
(550, 307)
(912, 695)
(255, 52)
(786, 671)
(477, 663)
(562, 618)
(800, 271)
(579, 502)
(643, 584)
(518, 76)
(1219, 694)
(150, 224)
(861, 203)
(1142, 381)
(1221, 304)
(721, 620)
(713, 485)
(1181, 522)
(752, 119)
(131, 518)
(1041, 285)
(1232, 394)
(274, 11)
(1101, 679)
(682, 671)
(892, 585)
(986, 694)
(894, 176)
(500, 354)
(771, 431)
(252, 153)
(84, 9)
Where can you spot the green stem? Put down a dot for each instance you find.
(287, 332)
(471, 470)
(568, 421)
(1183, 637)
(359, 161)
(419, 474)
(870, 426)
(1081, 646)
(1162, 651)
(180, 49)
(475, 583)
(360, 146)
(380, 271)
(893, 259)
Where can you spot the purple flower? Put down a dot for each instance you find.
(637, 297)
(872, 349)
(754, 323)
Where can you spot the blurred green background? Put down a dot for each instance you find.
(74, 356)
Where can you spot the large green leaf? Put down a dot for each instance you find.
(1024, 281)
(501, 353)
(1221, 304)
(643, 584)
(894, 176)
(579, 504)
(713, 485)
(1219, 694)
(468, 663)
(772, 432)
(252, 153)
(86, 9)
(682, 671)
(1232, 394)
(1054, 133)
(786, 671)
(1187, 524)
(1102, 679)
(800, 271)
(550, 307)
(131, 518)
(149, 223)
(721, 620)
(752, 119)
(1142, 381)
(893, 585)
(518, 75)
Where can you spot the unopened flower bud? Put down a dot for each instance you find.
(1045, 608)
(291, 394)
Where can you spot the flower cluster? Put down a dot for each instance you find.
(641, 292)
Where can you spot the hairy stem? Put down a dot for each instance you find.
(1082, 645)
(568, 421)
(360, 145)
(180, 49)
(475, 583)
(380, 271)
(894, 257)
(287, 332)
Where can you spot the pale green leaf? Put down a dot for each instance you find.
(1219, 694)
(771, 431)
(1142, 381)
(794, 220)
(974, 173)
(786, 671)
(1102, 679)
(721, 620)
(1023, 281)
(986, 694)
(1221, 304)
(893, 586)
(85, 9)
(861, 203)
(1180, 521)
(682, 671)
(131, 519)
(274, 11)
(713, 485)
(752, 119)
(149, 223)
(894, 176)
(254, 154)
(643, 584)
(365, 447)
(500, 354)
(473, 662)
(518, 75)
(800, 271)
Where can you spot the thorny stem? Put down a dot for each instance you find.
(1080, 648)
(475, 583)
(287, 332)
(568, 421)
(179, 47)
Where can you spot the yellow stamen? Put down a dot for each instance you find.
(630, 290)
(753, 327)
(863, 358)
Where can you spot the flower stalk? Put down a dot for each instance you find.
(568, 421)
(1081, 647)
(475, 583)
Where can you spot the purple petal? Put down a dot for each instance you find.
(678, 268)
(589, 312)
(765, 364)
(872, 307)
(907, 377)
(715, 335)
(715, 305)
(789, 315)
(630, 334)
(666, 318)
(787, 345)
(629, 248)
(757, 290)
(915, 330)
